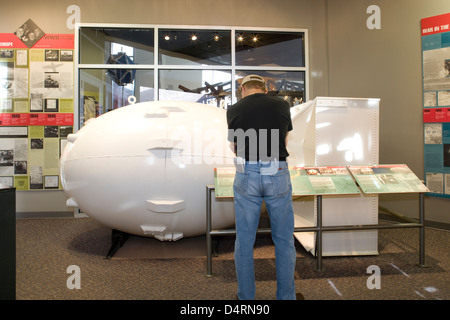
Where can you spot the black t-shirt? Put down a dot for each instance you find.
(261, 121)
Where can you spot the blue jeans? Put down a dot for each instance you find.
(251, 187)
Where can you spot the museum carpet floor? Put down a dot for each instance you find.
(145, 268)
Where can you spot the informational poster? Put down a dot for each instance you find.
(36, 106)
(436, 103)
(397, 178)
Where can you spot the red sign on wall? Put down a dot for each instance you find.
(435, 24)
(36, 119)
(55, 41)
(10, 41)
(49, 41)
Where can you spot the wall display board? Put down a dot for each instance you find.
(36, 107)
(436, 103)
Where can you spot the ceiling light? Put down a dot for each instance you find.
(216, 38)
(166, 38)
(194, 37)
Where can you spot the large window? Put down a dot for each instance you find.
(194, 47)
(261, 48)
(96, 45)
(200, 64)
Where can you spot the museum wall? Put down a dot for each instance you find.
(346, 59)
(386, 63)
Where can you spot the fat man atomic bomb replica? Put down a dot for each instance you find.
(142, 169)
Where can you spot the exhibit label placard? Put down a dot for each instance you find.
(223, 182)
(322, 180)
(397, 178)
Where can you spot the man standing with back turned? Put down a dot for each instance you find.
(257, 129)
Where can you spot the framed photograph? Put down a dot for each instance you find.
(51, 182)
(6, 182)
(29, 33)
(51, 105)
(51, 55)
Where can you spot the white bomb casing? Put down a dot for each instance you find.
(143, 169)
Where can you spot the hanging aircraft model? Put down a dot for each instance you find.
(211, 91)
(287, 89)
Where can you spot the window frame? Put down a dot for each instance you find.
(156, 66)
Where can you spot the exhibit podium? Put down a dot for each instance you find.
(324, 181)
